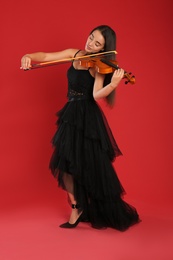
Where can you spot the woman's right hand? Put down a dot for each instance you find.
(25, 62)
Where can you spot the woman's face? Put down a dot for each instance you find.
(95, 42)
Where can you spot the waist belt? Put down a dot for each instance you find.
(70, 99)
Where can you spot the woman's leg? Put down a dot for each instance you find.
(74, 213)
(69, 185)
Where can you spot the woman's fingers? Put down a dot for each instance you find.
(117, 76)
(25, 63)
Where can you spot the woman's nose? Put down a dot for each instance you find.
(91, 43)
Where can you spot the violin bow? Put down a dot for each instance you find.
(56, 62)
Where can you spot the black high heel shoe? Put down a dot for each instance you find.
(67, 224)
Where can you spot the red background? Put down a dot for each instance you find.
(141, 119)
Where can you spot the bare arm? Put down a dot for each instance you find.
(45, 56)
(101, 92)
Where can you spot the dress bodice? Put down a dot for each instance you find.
(80, 83)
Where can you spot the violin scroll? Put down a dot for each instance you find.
(131, 78)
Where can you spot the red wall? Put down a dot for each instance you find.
(141, 120)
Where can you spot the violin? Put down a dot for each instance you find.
(96, 61)
(105, 66)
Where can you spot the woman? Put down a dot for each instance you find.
(84, 147)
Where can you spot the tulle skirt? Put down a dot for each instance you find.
(84, 150)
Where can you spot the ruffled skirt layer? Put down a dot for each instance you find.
(84, 149)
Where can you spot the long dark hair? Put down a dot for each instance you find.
(110, 45)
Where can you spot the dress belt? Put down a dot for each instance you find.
(70, 99)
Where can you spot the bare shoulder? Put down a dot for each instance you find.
(74, 52)
(63, 54)
(69, 53)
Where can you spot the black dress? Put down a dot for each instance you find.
(84, 149)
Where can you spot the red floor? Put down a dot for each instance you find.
(32, 233)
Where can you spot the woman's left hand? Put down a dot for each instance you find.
(116, 78)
